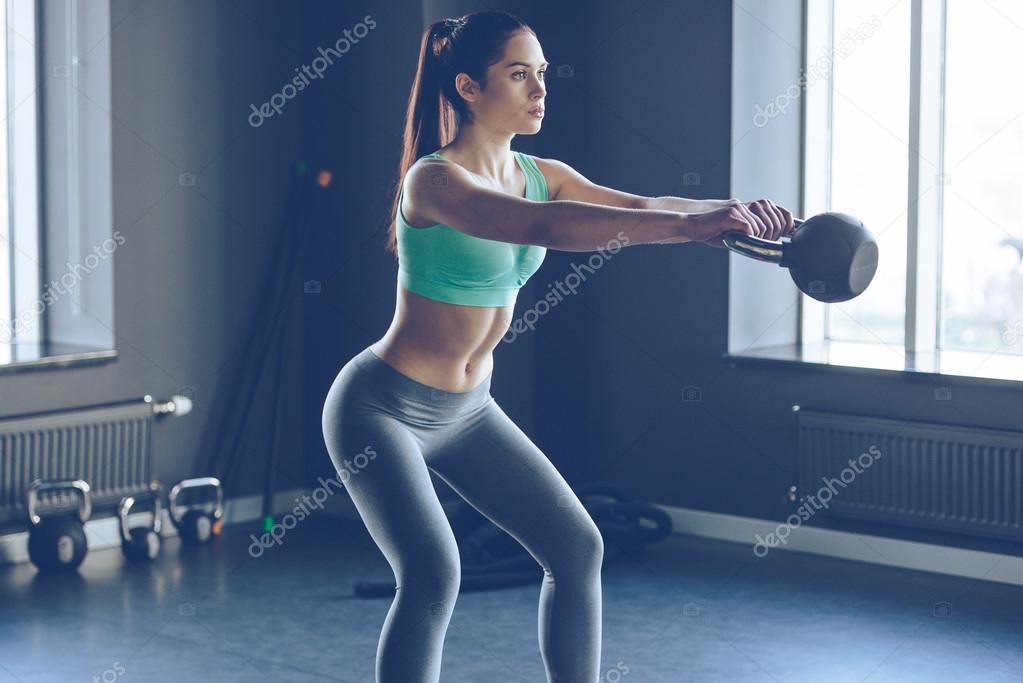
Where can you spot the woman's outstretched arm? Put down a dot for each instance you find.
(567, 184)
(682, 204)
(579, 226)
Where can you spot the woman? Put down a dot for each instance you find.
(473, 227)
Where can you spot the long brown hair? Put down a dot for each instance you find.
(471, 44)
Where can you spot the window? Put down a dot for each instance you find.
(981, 268)
(19, 228)
(896, 112)
(869, 157)
(56, 294)
(922, 140)
(5, 225)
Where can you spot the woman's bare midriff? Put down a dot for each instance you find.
(442, 345)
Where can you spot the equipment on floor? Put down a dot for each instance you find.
(57, 542)
(491, 558)
(197, 522)
(142, 543)
(831, 257)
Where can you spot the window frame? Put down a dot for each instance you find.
(23, 149)
(925, 195)
(70, 316)
(778, 325)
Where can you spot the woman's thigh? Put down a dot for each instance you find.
(392, 491)
(498, 469)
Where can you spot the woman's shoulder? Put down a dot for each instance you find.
(550, 167)
(553, 171)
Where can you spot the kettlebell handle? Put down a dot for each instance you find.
(757, 248)
(198, 482)
(40, 485)
(155, 491)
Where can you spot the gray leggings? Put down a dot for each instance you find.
(388, 431)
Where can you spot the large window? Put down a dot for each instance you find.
(5, 224)
(923, 133)
(869, 161)
(19, 205)
(982, 245)
(56, 299)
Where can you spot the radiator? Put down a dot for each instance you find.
(930, 476)
(110, 447)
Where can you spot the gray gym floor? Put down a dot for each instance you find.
(690, 610)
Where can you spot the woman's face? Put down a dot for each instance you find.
(515, 85)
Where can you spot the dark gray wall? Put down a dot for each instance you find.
(187, 279)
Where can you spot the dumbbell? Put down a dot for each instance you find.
(831, 257)
(195, 522)
(57, 542)
(142, 543)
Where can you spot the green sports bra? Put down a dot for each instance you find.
(442, 263)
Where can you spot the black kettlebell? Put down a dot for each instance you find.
(831, 257)
(142, 543)
(195, 522)
(58, 543)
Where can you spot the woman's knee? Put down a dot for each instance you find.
(437, 574)
(580, 549)
(591, 542)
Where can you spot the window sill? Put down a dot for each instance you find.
(23, 357)
(887, 360)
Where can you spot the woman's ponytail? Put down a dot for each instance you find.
(469, 44)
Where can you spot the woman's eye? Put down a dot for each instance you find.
(524, 73)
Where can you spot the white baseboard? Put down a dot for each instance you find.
(972, 564)
(104, 533)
